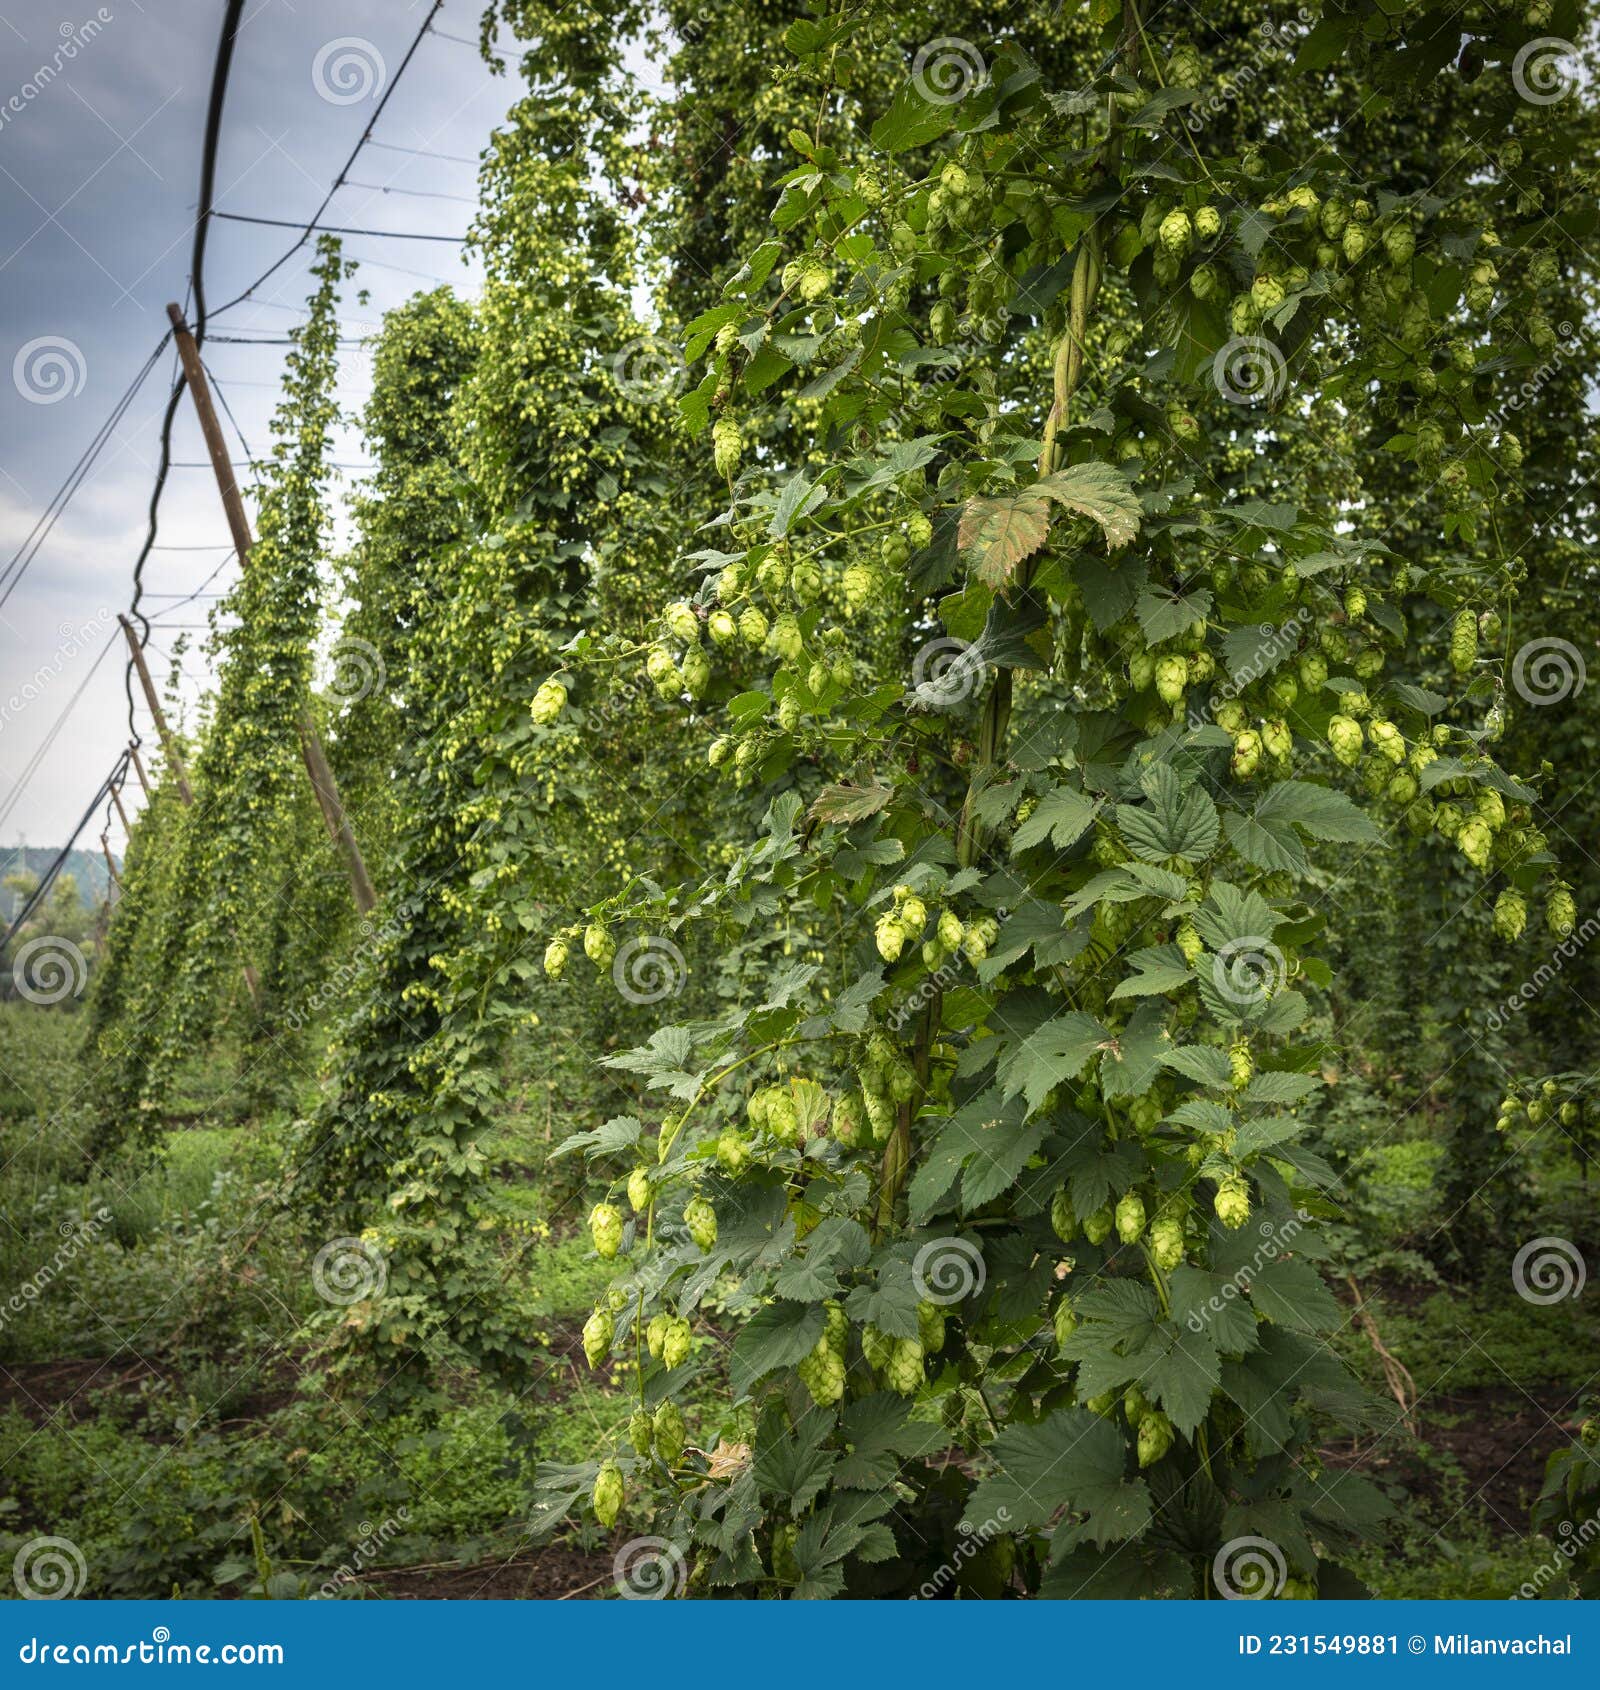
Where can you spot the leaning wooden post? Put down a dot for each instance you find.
(169, 746)
(138, 768)
(318, 769)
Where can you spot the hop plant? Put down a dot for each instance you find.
(930, 1328)
(639, 1189)
(1464, 642)
(669, 1432)
(1130, 1217)
(1155, 1437)
(676, 1342)
(1346, 739)
(1097, 1227)
(605, 1227)
(726, 445)
(877, 1347)
(904, 1370)
(655, 1334)
(597, 1334)
(598, 945)
(1190, 942)
(1232, 1202)
(701, 1220)
(1510, 915)
(608, 1494)
(1063, 1222)
(732, 1152)
(555, 958)
(1172, 679)
(548, 703)
(889, 936)
(1241, 1065)
(822, 1373)
(1166, 1242)
(1176, 233)
(641, 1432)
(1560, 912)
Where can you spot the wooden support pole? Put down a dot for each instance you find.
(138, 768)
(111, 867)
(318, 769)
(122, 814)
(168, 746)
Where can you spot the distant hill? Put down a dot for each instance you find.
(88, 868)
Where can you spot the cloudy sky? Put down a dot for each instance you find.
(102, 111)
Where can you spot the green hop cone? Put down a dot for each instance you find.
(1130, 1217)
(1208, 222)
(701, 1220)
(1241, 1065)
(1400, 242)
(951, 930)
(1155, 1438)
(877, 1347)
(1065, 1321)
(1233, 1201)
(598, 945)
(555, 958)
(1510, 916)
(597, 1334)
(889, 936)
(639, 1190)
(1475, 842)
(731, 1150)
(1190, 942)
(608, 1494)
(930, 1328)
(669, 1432)
(785, 1568)
(641, 1432)
(1464, 642)
(655, 1334)
(847, 1121)
(1097, 1227)
(753, 628)
(682, 622)
(1172, 678)
(1266, 294)
(605, 1227)
(822, 1373)
(1387, 740)
(836, 1326)
(548, 703)
(904, 1370)
(1176, 233)
(676, 1342)
(726, 445)
(1166, 1242)
(1346, 739)
(1560, 912)
(1246, 754)
(1063, 1222)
